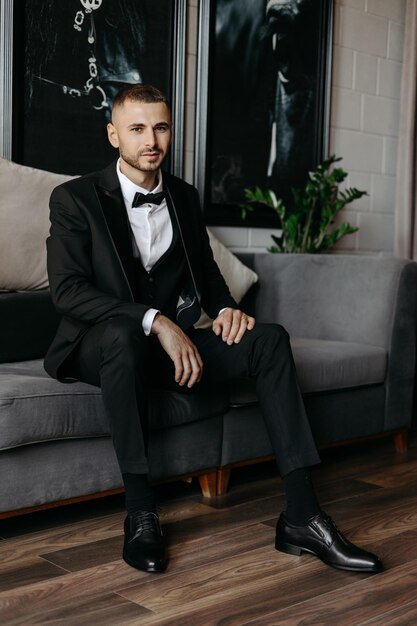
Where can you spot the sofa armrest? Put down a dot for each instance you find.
(402, 352)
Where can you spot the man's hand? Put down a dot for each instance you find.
(182, 351)
(232, 324)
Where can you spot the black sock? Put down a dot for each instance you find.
(139, 494)
(302, 503)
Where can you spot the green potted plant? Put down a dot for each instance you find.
(309, 226)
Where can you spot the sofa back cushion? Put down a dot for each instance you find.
(24, 218)
(335, 297)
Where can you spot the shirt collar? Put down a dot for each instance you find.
(129, 188)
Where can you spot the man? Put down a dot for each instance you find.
(129, 263)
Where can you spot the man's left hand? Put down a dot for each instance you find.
(232, 324)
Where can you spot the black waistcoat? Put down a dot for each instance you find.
(162, 286)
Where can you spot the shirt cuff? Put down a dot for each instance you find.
(224, 309)
(148, 319)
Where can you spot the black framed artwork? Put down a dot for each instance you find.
(265, 93)
(69, 61)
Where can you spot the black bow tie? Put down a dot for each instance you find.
(144, 198)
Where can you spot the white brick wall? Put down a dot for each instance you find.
(367, 54)
(366, 77)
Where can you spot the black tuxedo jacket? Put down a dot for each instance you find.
(90, 262)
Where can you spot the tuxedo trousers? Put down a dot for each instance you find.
(117, 356)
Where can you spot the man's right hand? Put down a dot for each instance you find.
(180, 348)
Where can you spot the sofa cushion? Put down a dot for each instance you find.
(24, 218)
(326, 366)
(35, 407)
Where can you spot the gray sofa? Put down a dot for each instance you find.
(352, 320)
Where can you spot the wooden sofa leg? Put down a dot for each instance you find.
(223, 477)
(208, 484)
(400, 442)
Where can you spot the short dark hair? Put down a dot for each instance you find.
(139, 92)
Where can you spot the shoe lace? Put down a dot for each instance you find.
(330, 525)
(147, 521)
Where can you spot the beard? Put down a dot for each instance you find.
(134, 161)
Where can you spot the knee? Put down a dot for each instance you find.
(123, 334)
(270, 342)
(275, 333)
(274, 339)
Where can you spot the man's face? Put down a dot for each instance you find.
(142, 133)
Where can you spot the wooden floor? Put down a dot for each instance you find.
(64, 566)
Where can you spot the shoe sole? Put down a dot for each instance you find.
(289, 548)
(150, 570)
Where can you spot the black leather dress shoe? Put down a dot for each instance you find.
(322, 538)
(144, 546)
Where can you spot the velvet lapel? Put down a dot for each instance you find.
(181, 201)
(114, 210)
(189, 312)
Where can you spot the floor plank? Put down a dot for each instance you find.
(399, 476)
(405, 615)
(66, 590)
(106, 610)
(364, 599)
(75, 534)
(27, 572)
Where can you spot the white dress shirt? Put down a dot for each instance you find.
(151, 227)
